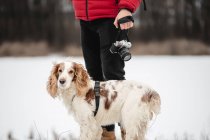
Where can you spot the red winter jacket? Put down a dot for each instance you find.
(94, 9)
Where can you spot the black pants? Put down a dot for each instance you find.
(97, 37)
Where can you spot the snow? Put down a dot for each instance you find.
(183, 83)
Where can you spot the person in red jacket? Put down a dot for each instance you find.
(99, 23)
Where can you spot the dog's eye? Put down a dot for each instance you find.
(60, 70)
(71, 71)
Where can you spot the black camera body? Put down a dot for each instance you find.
(122, 48)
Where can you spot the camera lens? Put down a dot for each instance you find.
(125, 54)
(127, 57)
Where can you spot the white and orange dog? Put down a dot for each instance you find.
(131, 104)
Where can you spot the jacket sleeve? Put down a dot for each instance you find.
(131, 5)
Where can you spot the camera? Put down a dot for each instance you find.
(122, 48)
(122, 43)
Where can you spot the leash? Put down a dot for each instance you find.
(97, 96)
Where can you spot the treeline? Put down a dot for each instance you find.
(176, 19)
(53, 21)
(38, 20)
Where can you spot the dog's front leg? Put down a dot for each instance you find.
(84, 132)
(90, 132)
(98, 137)
(96, 128)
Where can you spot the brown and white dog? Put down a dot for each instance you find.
(130, 103)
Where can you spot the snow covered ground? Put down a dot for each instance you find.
(183, 83)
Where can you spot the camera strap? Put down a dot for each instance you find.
(123, 34)
(125, 19)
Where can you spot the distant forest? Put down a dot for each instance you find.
(53, 21)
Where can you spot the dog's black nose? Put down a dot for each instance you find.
(62, 81)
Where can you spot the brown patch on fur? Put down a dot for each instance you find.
(90, 95)
(114, 96)
(150, 95)
(104, 93)
(152, 98)
(81, 79)
(147, 97)
(61, 66)
(52, 80)
(123, 133)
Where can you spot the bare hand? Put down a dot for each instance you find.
(121, 14)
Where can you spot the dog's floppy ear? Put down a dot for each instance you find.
(81, 79)
(52, 81)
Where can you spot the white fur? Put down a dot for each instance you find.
(127, 108)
